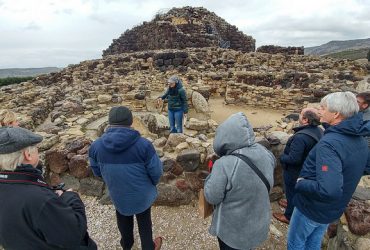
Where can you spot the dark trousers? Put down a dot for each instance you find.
(223, 245)
(290, 179)
(126, 228)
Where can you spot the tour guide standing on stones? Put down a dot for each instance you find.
(331, 171)
(32, 215)
(177, 104)
(242, 206)
(131, 169)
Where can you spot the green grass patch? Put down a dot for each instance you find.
(14, 80)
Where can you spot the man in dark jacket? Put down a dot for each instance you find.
(330, 173)
(296, 150)
(177, 104)
(32, 215)
(131, 169)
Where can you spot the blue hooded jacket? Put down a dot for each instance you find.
(129, 166)
(332, 170)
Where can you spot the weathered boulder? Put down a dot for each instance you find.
(196, 124)
(92, 187)
(170, 195)
(56, 159)
(78, 166)
(200, 103)
(189, 159)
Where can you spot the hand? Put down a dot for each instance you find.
(185, 117)
(159, 100)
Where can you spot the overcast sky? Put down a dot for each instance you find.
(42, 33)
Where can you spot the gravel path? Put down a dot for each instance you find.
(181, 228)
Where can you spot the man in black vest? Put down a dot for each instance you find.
(296, 150)
(32, 215)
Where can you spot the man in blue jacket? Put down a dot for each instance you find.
(296, 150)
(331, 171)
(131, 168)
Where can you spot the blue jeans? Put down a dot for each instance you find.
(304, 233)
(175, 119)
(290, 179)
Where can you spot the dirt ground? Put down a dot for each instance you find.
(257, 117)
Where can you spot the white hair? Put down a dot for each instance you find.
(344, 103)
(10, 161)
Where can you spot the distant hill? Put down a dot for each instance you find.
(338, 46)
(350, 54)
(22, 72)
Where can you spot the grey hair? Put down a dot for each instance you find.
(344, 103)
(10, 161)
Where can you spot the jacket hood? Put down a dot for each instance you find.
(178, 84)
(118, 139)
(234, 133)
(353, 125)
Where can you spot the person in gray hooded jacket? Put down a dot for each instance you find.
(241, 217)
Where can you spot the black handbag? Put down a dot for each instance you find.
(255, 169)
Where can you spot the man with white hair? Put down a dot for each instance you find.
(331, 171)
(32, 215)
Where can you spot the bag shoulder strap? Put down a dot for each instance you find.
(255, 169)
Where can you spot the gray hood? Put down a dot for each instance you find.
(234, 133)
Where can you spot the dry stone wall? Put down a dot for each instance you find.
(69, 108)
(272, 49)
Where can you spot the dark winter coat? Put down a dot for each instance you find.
(177, 99)
(34, 217)
(298, 147)
(332, 170)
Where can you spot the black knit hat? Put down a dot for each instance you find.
(13, 139)
(120, 115)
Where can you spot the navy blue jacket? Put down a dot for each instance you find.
(332, 170)
(129, 166)
(298, 147)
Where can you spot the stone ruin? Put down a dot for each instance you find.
(179, 28)
(272, 49)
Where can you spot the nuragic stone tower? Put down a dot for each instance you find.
(181, 28)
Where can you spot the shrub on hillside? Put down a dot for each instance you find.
(13, 80)
(368, 56)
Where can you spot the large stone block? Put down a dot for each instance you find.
(189, 159)
(56, 160)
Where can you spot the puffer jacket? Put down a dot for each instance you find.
(129, 166)
(242, 207)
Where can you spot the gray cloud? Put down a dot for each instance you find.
(90, 30)
(32, 26)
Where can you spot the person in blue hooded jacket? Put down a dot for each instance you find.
(131, 169)
(177, 104)
(331, 171)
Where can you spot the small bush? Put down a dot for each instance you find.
(13, 80)
(368, 56)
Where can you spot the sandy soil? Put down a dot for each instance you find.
(257, 117)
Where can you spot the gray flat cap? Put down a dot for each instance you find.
(13, 139)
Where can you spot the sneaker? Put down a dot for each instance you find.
(281, 217)
(283, 203)
(158, 243)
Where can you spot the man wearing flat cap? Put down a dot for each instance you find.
(32, 215)
(131, 168)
